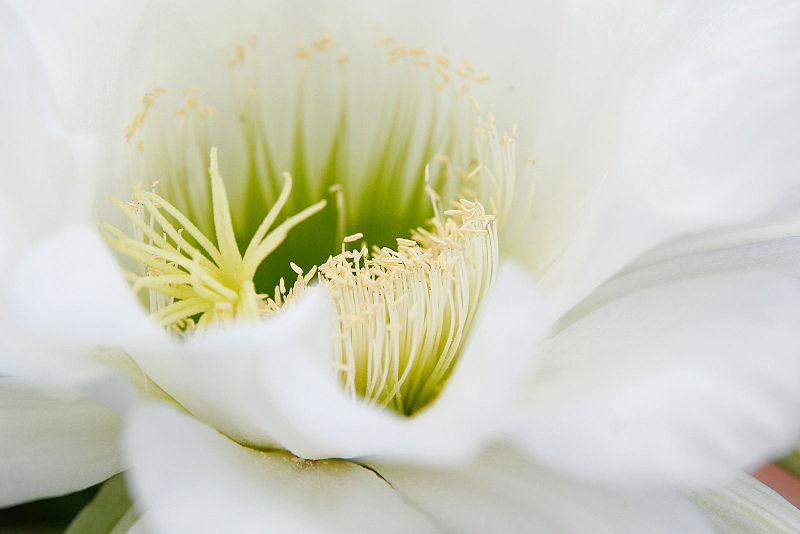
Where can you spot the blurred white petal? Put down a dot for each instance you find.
(773, 227)
(50, 447)
(71, 284)
(679, 383)
(223, 376)
(193, 479)
(663, 119)
(98, 33)
(505, 492)
(776, 255)
(39, 170)
(67, 309)
(14, 238)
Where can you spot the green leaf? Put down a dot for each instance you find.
(110, 512)
(791, 463)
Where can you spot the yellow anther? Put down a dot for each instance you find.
(475, 104)
(353, 237)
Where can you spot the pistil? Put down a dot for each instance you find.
(194, 286)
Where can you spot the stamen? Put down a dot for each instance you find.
(404, 314)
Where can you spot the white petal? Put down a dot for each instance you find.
(51, 447)
(80, 48)
(683, 382)
(778, 255)
(189, 478)
(503, 492)
(14, 238)
(66, 312)
(773, 228)
(39, 173)
(72, 275)
(218, 375)
(746, 506)
(664, 119)
(67, 297)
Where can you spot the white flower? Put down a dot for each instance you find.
(643, 341)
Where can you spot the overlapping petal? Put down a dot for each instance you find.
(67, 297)
(680, 382)
(193, 479)
(51, 446)
(504, 491)
(703, 259)
(470, 411)
(39, 170)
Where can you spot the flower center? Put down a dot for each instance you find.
(405, 304)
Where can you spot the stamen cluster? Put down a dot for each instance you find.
(403, 315)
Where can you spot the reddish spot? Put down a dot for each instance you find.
(781, 481)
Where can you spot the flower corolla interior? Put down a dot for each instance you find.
(404, 235)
